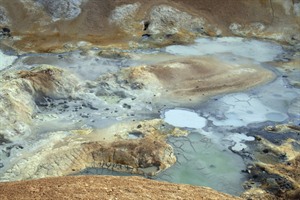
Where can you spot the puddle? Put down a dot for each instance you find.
(184, 118)
(203, 162)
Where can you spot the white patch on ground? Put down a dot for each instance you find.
(238, 139)
(4, 20)
(257, 50)
(6, 60)
(62, 9)
(121, 13)
(241, 110)
(297, 9)
(184, 118)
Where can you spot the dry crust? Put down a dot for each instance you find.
(105, 187)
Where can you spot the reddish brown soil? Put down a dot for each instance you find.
(105, 187)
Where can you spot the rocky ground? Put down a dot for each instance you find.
(105, 187)
(58, 121)
(48, 25)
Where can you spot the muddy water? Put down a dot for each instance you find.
(203, 162)
(205, 157)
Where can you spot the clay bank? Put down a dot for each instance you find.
(203, 93)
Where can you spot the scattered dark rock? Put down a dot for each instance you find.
(65, 106)
(169, 35)
(146, 25)
(137, 134)
(84, 115)
(268, 133)
(6, 30)
(8, 149)
(296, 128)
(137, 86)
(272, 183)
(104, 85)
(3, 140)
(92, 107)
(266, 150)
(120, 94)
(125, 105)
(146, 35)
(44, 102)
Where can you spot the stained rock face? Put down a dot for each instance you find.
(275, 174)
(20, 91)
(124, 15)
(23, 93)
(279, 12)
(160, 22)
(166, 20)
(62, 9)
(147, 155)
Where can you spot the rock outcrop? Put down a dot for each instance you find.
(20, 92)
(62, 9)
(57, 24)
(66, 153)
(275, 173)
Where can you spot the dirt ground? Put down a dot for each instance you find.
(105, 187)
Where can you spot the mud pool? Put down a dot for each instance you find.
(209, 155)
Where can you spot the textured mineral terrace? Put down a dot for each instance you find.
(195, 94)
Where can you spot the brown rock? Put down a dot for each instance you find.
(147, 155)
(117, 22)
(23, 89)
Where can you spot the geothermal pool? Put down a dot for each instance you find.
(208, 156)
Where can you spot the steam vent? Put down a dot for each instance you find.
(161, 99)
